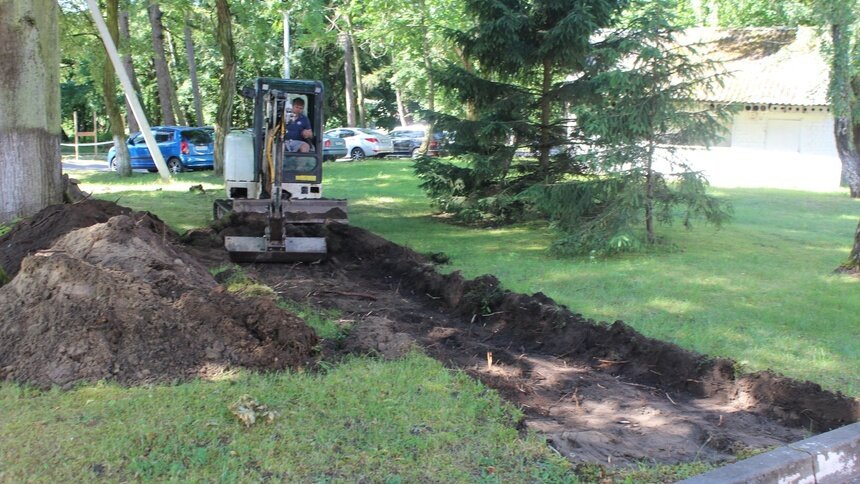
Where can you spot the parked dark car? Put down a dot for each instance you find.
(183, 148)
(407, 140)
(333, 148)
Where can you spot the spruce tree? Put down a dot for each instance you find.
(522, 53)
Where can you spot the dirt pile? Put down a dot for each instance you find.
(120, 300)
(43, 229)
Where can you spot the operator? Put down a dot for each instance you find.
(299, 129)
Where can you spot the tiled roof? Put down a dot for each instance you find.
(764, 65)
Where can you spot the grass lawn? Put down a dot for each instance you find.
(760, 290)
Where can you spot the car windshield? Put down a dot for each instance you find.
(197, 136)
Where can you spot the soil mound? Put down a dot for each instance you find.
(120, 300)
(44, 228)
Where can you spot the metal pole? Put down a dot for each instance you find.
(286, 44)
(130, 94)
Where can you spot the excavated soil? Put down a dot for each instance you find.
(600, 393)
(121, 300)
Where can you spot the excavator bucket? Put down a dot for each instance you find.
(275, 245)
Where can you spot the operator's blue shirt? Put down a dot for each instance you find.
(295, 128)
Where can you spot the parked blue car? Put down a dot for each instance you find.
(183, 148)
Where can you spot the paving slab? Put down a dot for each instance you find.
(831, 457)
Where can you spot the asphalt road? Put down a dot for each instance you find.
(71, 164)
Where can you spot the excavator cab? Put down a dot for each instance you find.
(262, 176)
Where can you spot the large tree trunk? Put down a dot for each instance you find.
(842, 94)
(348, 80)
(162, 72)
(192, 71)
(30, 169)
(121, 162)
(125, 41)
(224, 36)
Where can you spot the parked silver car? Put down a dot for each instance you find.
(363, 142)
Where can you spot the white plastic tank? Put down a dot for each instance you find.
(239, 156)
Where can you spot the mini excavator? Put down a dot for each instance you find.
(262, 177)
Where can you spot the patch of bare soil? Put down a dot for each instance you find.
(601, 393)
(122, 300)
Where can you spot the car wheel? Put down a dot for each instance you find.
(357, 154)
(414, 153)
(175, 166)
(112, 164)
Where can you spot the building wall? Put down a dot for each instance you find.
(794, 129)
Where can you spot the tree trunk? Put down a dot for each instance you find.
(181, 118)
(162, 72)
(471, 111)
(30, 169)
(125, 41)
(853, 262)
(401, 108)
(359, 87)
(348, 81)
(121, 162)
(192, 72)
(649, 195)
(842, 93)
(428, 66)
(545, 112)
(224, 36)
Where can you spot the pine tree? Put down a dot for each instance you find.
(521, 53)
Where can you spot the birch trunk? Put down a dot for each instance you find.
(30, 169)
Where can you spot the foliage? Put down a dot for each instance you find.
(635, 93)
(518, 55)
(639, 96)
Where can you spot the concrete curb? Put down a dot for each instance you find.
(831, 457)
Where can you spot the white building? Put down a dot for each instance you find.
(779, 79)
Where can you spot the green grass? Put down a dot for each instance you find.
(760, 290)
(412, 421)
